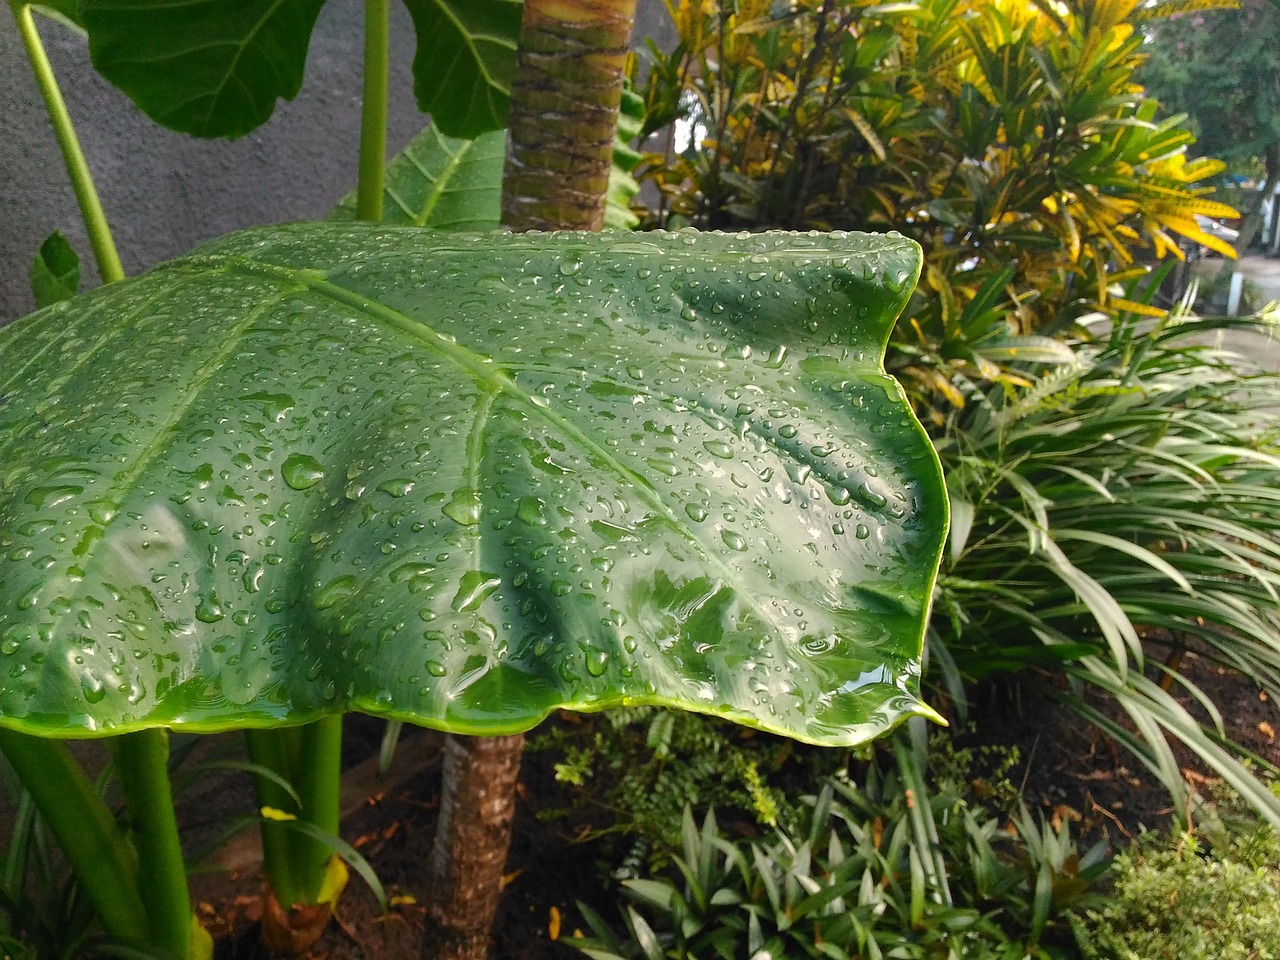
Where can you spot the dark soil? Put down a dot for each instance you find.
(1071, 769)
(1067, 770)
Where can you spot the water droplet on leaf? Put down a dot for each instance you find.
(464, 508)
(301, 471)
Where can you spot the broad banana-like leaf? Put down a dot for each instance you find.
(465, 60)
(445, 183)
(464, 480)
(450, 183)
(216, 69)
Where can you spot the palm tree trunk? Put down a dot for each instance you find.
(564, 107)
(464, 874)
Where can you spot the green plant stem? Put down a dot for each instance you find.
(100, 857)
(373, 113)
(268, 748)
(310, 758)
(95, 219)
(142, 760)
(317, 784)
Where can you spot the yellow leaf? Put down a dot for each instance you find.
(335, 881)
(1188, 227)
(939, 383)
(1133, 306)
(1171, 8)
(509, 878)
(868, 132)
(553, 924)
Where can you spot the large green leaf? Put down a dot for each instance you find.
(464, 480)
(441, 182)
(465, 60)
(213, 68)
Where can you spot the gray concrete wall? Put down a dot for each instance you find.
(164, 192)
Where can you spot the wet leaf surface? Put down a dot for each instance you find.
(465, 480)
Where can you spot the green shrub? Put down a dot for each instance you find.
(1107, 518)
(645, 765)
(884, 868)
(1175, 899)
(1011, 140)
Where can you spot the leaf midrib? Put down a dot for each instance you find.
(66, 373)
(250, 37)
(469, 41)
(441, 182)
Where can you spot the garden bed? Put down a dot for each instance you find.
(1066, 770)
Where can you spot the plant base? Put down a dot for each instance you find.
(294, 930)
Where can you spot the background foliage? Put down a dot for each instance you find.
(1011, 139)
(1222, 69)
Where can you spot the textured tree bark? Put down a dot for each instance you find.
(564, 107)
(464, 874)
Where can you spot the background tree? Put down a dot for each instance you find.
(1222, 69)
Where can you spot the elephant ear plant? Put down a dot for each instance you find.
(458, 480)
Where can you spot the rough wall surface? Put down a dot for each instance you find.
(164, 192)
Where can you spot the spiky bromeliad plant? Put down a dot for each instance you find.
(460, 480)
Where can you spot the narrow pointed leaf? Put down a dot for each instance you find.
(465, 480)
(622, 185)
(205, 67)
(465, 60)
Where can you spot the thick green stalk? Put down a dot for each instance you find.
(142, 763)
(318, 784)
(95, 219)
(309, 758)
(100, 857)
(373, 112)
(268, 749)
